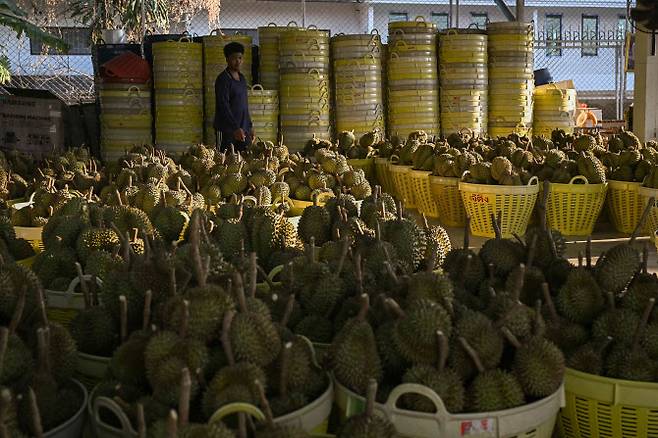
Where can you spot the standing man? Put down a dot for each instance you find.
(232, 120)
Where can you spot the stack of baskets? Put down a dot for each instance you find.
(511, 78)
(554, 108)
(264, 111)
(413, 92)
(357, 74)
(268, 52)
(464, 80)
(214, 62)
(304, 89)
(178, 81)
(125, 117)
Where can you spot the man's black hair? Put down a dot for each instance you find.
(232, 48)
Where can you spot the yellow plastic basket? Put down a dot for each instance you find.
(598, 407)
(297, 207)
(515, 204)
(420, 185)
(625, 205)
(383, 175)
(652, 220)
(365, 164)
(448, 200)
(402, 182)
(63, 306)
(573, 209)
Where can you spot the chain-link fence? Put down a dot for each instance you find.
(579, 40)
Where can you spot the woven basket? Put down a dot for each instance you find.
(383, 175)
(402, 184)
(515, 204)
(420, 185)
(625, 205)
(573, 209)
(448, 201)
(646, 193)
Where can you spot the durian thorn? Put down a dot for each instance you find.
(443, 350)
(588, 252)
(4, 338)
(370, 398)
(610, 298)
(580, 259)
(532, 249)
(546, 292)
(184, 400)
(239, 290)
(123, 309)
(83, 286)
(285, 368)
(183, 330)
(253, 274)
(472, 353)
(642, 325)
(265, 404)
(18, 312)
(539, 321)
(172, 424)
(643, 219)
(146, 316)
(344, 249)
(394, 308)
(267, 279)
(37, 428)
(365, 305)
(290, 306)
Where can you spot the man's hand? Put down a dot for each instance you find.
(239, 135)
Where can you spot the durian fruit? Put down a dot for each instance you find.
(533, 277)
(289, 370)
(8, 421)
(408, 238)
(430, 286)
(580, 299)
(592, 168)
(618, 323)
(643, 287)
(589, 357)
(491, 390)
(270, 429)
(463, 265)
(93, 239)
(550, 244)
(414, 333)
(438, 245)
(565, 334)
(15, 358)
(353, 354)
(505, 254)
(506, 309)
(445, 382)
(367, 424)
(538, 365)
(235, 382)
(315, 222)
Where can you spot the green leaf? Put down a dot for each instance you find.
(17, 21)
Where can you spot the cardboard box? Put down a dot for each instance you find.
(31, 122)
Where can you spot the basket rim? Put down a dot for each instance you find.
(498, 190)
(444, 180)
(611, 380)
(617, 184)
(594, 189)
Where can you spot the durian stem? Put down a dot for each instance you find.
(311, 250)
(195, 243)
(83, 286)
(551, 243)
(443, 350)
(532, 248)
(491, 269)
(363, 310)
(172, 424)
(172, 282)
(643, 219)
(344, 249)
(141, 421)
(542, 206)
(5, 404)
(201, 378)
(41, 303)
(290, 305)
(580, 259)
(123, 312)
(370, 398)
(611, 300)
(226, 339)
(588, 252)
(37, 428)
(185, 320)
(4, 338)
(518, 239)
(546, 292)
(431, 262)
(510, 337)
(18, 312)
(239, 290)
(184, 400)
(359, 273)
(395, 308)
(285, 368)
(118, 196)
(265, 404)
(641, 327)
(146, 316)
(518, 284)
(43, 350)
(492, 292)
(539, 322)
(472, 353)
(253, 274)
(390, 271)
(645, 257)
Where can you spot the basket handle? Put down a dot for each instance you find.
(534, 179)
(257, 87)
(236, 408)
(274, 272)
(324, 196)
(271, 24)
(395, 159)
(110, 405)
(292, 22)
(452, 32)
(579, 178)
(251, 199)
(413, 388)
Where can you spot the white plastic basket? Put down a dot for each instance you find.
(73, 427)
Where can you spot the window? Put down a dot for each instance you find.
(397, 16)
(553, 28)
(621, 27)
(479, 19)
(78, 39)
(440, 19)
(590, 35)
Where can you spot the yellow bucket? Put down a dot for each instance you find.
(448, 200)
(420, 184)
(573, 209)
(515, 203)
(646, 193)
(625, 205)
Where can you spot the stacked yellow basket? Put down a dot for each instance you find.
(357, 78)
(554, 108)
(125, 118)
(178, 81)
(214, 62)
(511, 78)
(304, 89)
(464, 80)
(268, 53)
(264, 111)
(413, 92)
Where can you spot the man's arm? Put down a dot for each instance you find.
(222, 104)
